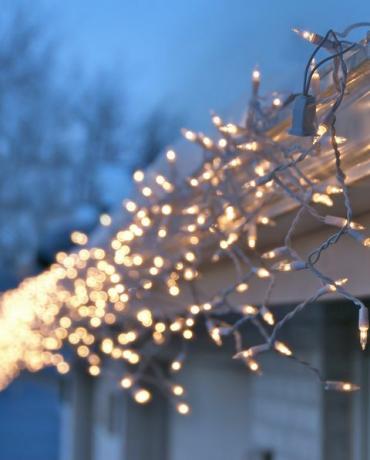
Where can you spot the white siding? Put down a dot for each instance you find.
(109, 419)
(219, 426)
(286, 411)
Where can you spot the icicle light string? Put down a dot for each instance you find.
(104, 301)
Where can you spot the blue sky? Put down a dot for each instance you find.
(187, 57)
(193, 55)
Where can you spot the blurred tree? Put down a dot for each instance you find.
(52, 144)
(100, 112)
(158, 131)
(65, 146)
(25, 64)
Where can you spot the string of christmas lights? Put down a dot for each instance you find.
(141, 291)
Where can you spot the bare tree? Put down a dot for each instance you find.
(101, 115)
(63, 145)
(157, 132)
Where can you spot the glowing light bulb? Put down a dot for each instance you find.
(363, 338)
(322, 198)
(107, 346)
(183, 408)
(63, 367)
(216, 120)
(176, 366)
(189, 135)
(337, 283)
(215, 334)
(207, 142)
(256, 76)
(144, 316)
(248, 146)
(249, 310)
(267, 316)
(229, 128)
(160, 327)
(178, 390)
(224, 244)
(341, 222)
(194, 309)
(222, 143)
(105, 220)
(363, 325)
(315, 81)
(333, 189)
(166, 209)
(162, 232)
(252, 236)
(94, 370)
(289, 266)
(133, 358)
(168, 187)
(366, 242)
(242, 287)
(187, 334)
(131, 206)
(252, 364)
(194, 240)
(142, 396)
(269, 254)
(190, 256)
(230, 212)
(264, 220)
(174, 291)
(147, 192)
(340, 386)
(340, 139)
(305, 34)
(127, 382)
(189, 274)
(171, 155)
(244, 354)
(137, 259)
(282, 348)
(158, 261)
(262, 273)
(321, 130)
(160, 179)
(138, 176)
(79, 238)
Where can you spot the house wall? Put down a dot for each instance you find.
(76, 417)
(109, 419)
(94, 415)
(30, 418)
(219, 427)
(360, 422)
(340, 343)
(241, 416)
(286, 408)
(284, 414)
